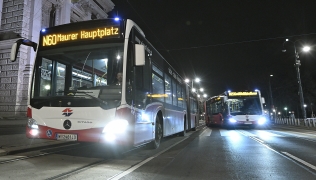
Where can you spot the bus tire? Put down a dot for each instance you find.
(158, 134)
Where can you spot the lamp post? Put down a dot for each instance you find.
(271, 99)
(297, 67)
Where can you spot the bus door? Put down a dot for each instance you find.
(143, 117)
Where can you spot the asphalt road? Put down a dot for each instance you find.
(209, 153)
(232, 154)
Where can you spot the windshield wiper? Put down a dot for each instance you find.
(44, 100)
(86, 93)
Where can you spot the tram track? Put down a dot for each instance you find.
(39, 155)
(127, 152)
(70, 147)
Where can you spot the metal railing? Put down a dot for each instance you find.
(308, 122)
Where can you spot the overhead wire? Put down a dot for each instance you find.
(165, 49)
(240, 42)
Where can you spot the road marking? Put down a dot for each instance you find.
(119, 176)
(133, 168)
(257, 139)
(287, 155)
(300, 160)
(206, 132)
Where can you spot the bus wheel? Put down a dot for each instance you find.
(158, 134)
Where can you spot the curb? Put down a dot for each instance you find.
(13, 126)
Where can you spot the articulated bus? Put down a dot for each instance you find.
(231, 109)
(75, 95)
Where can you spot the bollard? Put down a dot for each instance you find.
(305, 122)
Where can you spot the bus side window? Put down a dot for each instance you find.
(168, 90)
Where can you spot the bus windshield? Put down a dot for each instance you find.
(249, 106)
(63, 71)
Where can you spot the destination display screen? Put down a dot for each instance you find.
(215, 99)
(80, 32)
(243, 94)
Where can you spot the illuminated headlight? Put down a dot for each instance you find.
(34, 132)
(232, 120)
(116, 127)
(31, 123)
(262, 121)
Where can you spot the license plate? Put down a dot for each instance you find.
(67, 137)
(248, 122)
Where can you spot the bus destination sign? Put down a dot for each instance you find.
(92, 34)
(250, 93)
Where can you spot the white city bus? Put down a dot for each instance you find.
(74, 95)
(232, 109)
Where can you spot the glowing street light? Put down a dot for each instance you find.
(297, 66)
(196, 80)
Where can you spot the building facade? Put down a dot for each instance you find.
(25, 19)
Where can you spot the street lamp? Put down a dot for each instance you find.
(271, 99)
(297, 66)
(196, 80)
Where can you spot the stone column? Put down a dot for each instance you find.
(1, 5)
(30, 29)
(65, 11)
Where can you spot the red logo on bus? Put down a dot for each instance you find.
(67, 112)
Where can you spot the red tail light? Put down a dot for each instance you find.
(29, 112)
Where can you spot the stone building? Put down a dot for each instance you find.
(24, 19)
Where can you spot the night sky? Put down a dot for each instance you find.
(232, 45)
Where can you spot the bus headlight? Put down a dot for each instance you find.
(262, 121)
(31, 123)
(232, 120)
(116, 127)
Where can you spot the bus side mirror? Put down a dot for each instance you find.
(139, 55)
(263, 101)
(16, 46)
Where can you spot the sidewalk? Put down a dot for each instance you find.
(19, 142)
(13, 121)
